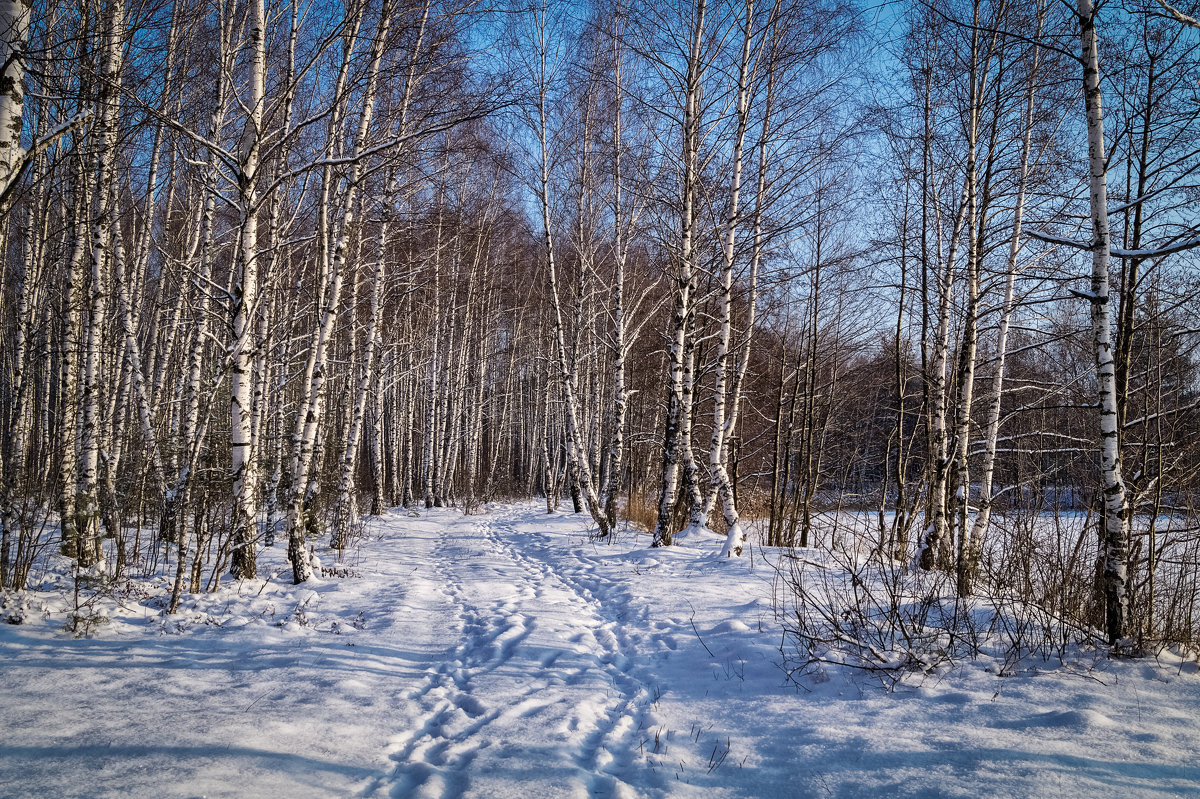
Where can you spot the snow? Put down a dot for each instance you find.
(504, 655)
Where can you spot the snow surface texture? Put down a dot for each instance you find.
(503, 655)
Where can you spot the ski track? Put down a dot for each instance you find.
(583, 683)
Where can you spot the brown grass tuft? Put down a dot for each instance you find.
(640, 511)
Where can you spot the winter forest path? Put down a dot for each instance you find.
(538, 690)
(503, 655)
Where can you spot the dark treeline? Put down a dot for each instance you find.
(752, 267)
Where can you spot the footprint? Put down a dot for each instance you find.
(470, 705)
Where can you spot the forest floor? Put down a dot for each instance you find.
(504, 655)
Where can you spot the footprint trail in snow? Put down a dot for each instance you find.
(539, 689)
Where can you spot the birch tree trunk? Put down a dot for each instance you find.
(992, 423)
(15, 17)
(174, 525)
(726, 422)
(1114, 531)
(428, 464)
(104, 149)
(616, 445)
(14, 28)
(968, 345)
(345, 508)
(69, 437)
(578, 461)
(675, 440)
(245, 306)
(14, 485)
(932, 551)
(175, 516)
(333, 246)
(133, 353)
(721, 485)
(16, 419)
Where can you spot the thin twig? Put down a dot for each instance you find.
(697, 632)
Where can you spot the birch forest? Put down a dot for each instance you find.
(740, 272)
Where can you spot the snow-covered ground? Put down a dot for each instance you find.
(504, 655)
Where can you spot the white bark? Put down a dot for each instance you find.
(174, 524)
(133, 353)
(1114, 533)
(16, 419)
(14, 32)
(69, 438)
(345, 509)
(104, 149)
(620, 346)
(969, 343)
(577, 450)
(245, 306)
(432, 395)
(175, 518)
(723, 422)
(992, 424)
(333, 245)
(936, 528)
(675, 436)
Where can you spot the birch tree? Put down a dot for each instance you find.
(104, 155)
(244, 300)
(1007, 304)
(544, 64)
(685, 85)
(15, 16)
(1114, 537)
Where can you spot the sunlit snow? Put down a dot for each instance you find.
(504, 655)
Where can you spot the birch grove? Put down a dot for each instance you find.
(721, 273)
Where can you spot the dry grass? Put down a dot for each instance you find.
(641, 512)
